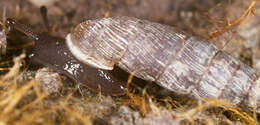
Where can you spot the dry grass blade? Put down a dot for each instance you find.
(24, 104)
(193, 113)
(16, 97)
(237, 22)
(14, 71)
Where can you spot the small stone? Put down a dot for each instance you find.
(50, 82)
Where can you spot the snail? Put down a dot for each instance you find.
(165, 55)
(53, 52)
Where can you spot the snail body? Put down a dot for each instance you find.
(52, 52)
(171, 58)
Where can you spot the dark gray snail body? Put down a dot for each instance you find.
(52, 52)
(163, 54)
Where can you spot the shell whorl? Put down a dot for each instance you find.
(163, 54)
(99, 43)
(103, 42)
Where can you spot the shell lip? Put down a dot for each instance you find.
(93, 63)
(83, 57)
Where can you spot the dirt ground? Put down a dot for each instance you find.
(23, 102)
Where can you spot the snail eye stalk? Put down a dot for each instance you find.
(44, 16)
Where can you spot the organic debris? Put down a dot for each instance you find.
(27, 97)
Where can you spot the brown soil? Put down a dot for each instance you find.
(23, 102)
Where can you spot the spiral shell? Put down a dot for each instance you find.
(163, 54)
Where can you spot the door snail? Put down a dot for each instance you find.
(151, 51)
(165, 55)
(52, 52)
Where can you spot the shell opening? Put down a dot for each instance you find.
(75, 50)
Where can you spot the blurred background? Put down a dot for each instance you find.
(197, 17)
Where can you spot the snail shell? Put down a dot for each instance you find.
(163, 54)
(84, 45)
(3, 42)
